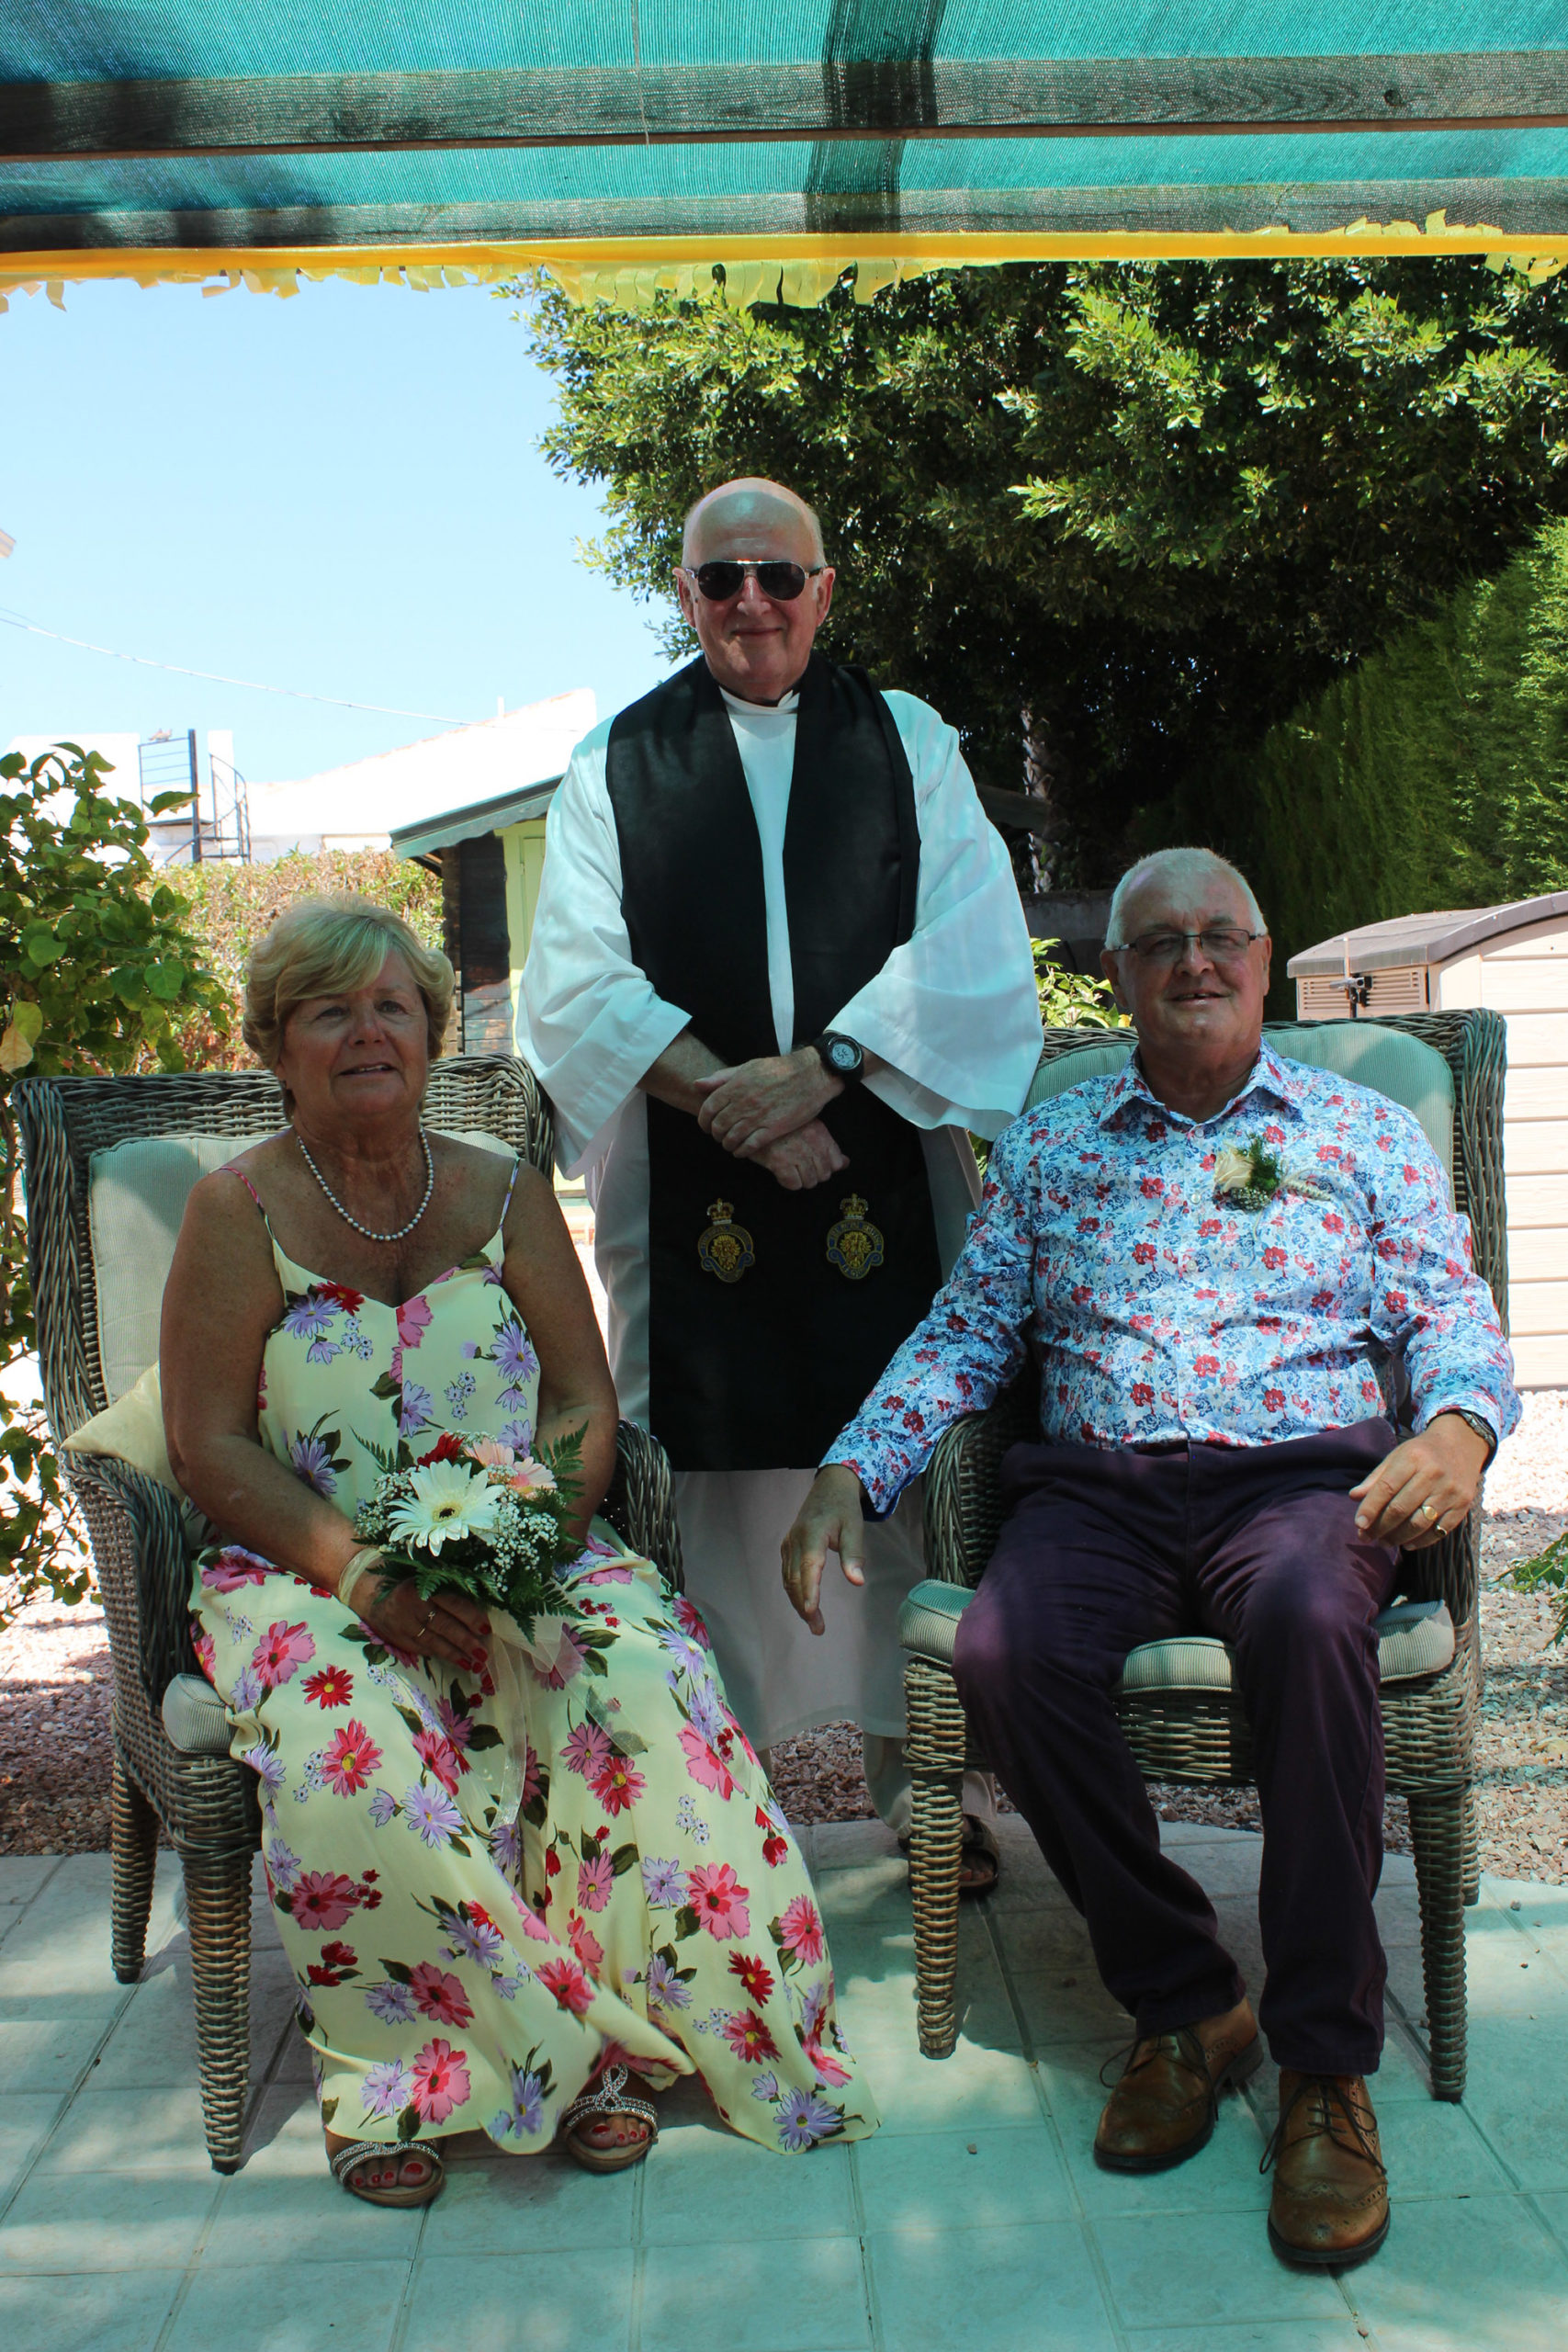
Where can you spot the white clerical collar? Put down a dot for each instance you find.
(785, 708)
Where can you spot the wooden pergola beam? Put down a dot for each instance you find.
(828, 99)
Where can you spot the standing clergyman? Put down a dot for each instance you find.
(778, 970)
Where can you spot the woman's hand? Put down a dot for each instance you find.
(448, 1625)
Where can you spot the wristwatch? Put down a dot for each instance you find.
(839, 1055)
(1484, 1429)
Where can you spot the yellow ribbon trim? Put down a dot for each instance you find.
(628, 272)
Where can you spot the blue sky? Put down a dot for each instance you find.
(341, 491)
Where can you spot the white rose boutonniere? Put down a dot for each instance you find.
(1249, 1179)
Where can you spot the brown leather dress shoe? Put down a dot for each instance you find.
(1329, 2209)
(1163, 2110)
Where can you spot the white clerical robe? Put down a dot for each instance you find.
(952, 1012)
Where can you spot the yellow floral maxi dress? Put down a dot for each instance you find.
(459, 1969)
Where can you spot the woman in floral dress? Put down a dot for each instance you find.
(464, 1958)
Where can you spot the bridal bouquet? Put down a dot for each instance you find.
(477, 1517)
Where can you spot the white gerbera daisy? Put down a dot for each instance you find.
(449, 1501)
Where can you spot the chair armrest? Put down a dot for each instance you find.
(963, 1482)
(640, 1505)
(144, 1570)
(1446, 1571)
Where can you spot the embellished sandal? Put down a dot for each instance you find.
(347, 2162)
(595, 2106)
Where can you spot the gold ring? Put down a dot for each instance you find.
(1427, 1511)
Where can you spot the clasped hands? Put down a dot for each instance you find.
(767, 1110)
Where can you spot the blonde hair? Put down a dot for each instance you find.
(319, 945)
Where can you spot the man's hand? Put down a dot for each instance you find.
(808, 1156)
(751, 1106)
(829, 1521)
(1425, 1488)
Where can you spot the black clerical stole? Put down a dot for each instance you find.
(760, 1345)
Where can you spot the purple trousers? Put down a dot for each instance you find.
(1106, 1548)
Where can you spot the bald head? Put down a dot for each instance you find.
(737, 509)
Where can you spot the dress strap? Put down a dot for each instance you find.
(228, 1168)
(516, 1166)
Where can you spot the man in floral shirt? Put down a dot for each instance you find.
(1212, 1255)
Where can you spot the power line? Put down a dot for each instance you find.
(216, 677)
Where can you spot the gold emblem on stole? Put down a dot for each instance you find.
(724, 1247)
(854, 1245)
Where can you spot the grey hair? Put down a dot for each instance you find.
(1177, 862)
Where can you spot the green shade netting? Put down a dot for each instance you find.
(834, 126)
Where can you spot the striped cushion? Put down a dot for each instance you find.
(195, 1716)
(1414, 1637)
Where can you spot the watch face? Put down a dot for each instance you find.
(843, 1055)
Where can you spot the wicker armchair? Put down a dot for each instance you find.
(206, 1802)
(1201, 1738)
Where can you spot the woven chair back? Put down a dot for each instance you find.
(65, 1121)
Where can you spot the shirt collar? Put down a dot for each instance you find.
(786, 707)
(1270, 1075)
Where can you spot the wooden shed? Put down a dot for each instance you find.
(489, 857)
(1514, 959)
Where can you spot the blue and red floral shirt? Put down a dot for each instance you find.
(1157, 1309)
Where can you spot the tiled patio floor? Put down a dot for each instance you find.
(973, 2222)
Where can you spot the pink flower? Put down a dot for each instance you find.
(750, 2039)
(584, 1942)
(570, 1987)
(439, 1996)
(322, 1900)
(569, 1656)
(531, 1477)
(587, 1751)
(528, 1919)
(827, 2066)
(689, 1618)
(720, 1901)
(617, 1574)
(595, 1882)
(531, 1780)
(440, 2080)
(206, 1650)
(618, 1786)
(281, 1652)
(705, 1765)
(800, 1929)
(490, 1454)
(437, 1752)
(414, 1322)
(347, 1764)
(232, 1569)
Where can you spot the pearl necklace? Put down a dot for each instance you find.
(364, 1229)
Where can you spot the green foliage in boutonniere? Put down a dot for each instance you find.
(1249, 1179)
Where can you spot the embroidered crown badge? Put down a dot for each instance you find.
(724, 1247)
(854, 1245)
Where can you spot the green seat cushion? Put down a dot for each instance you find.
(136, 1197)
(1414, 1637)
(1372, 1053)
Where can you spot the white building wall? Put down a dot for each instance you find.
(1525, 977)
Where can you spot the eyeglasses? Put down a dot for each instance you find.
(720, 581)
(1227, 943)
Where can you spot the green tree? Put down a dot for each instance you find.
(1108, 517)
(98, 973)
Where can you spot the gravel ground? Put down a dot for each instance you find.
(54, 1705)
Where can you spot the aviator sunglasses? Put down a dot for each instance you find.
(719, 581)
